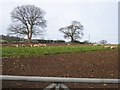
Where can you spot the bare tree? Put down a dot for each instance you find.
(73, 31)
(27, 20)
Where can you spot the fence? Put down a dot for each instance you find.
(57, 81)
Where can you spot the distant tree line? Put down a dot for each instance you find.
(13, 39)
(47, 41)
(7, 39)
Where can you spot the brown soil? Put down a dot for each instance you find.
(94, 64)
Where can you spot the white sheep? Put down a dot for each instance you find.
(35, 45)
(106, 46)
(31, 45)
(113, 47)
(95, 44)
(38, 45)
(68, 44)
(44, 45)
(23, 45)
(16, 45)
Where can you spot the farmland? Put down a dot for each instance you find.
(8, 52)
(60, 61)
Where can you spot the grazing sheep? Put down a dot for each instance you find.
(38, 45)
(113, 47)
(106, 46)
(16, 45)
(35, 45)
(23, 45)
(68, 44)
(31, 45)
(95, 44)
(44, 45)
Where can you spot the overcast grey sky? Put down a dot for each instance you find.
(99, 17)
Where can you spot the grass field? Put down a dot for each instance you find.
(13, 52)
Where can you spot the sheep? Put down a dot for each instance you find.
(35, 45)
(31, 45)
(68, 44)
(14, 45)
(113, 47)
(95, 44)
(106, 46)
(38, 45)
(23, 45)
(44, 45)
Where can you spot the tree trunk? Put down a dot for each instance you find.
(30, 34)
(72, 40)
(29, 38)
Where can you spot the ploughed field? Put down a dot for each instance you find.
(72, 61)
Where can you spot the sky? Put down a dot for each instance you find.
(99, 17)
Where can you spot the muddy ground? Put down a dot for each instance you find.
(93, 64)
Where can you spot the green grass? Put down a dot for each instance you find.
(9, 52)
